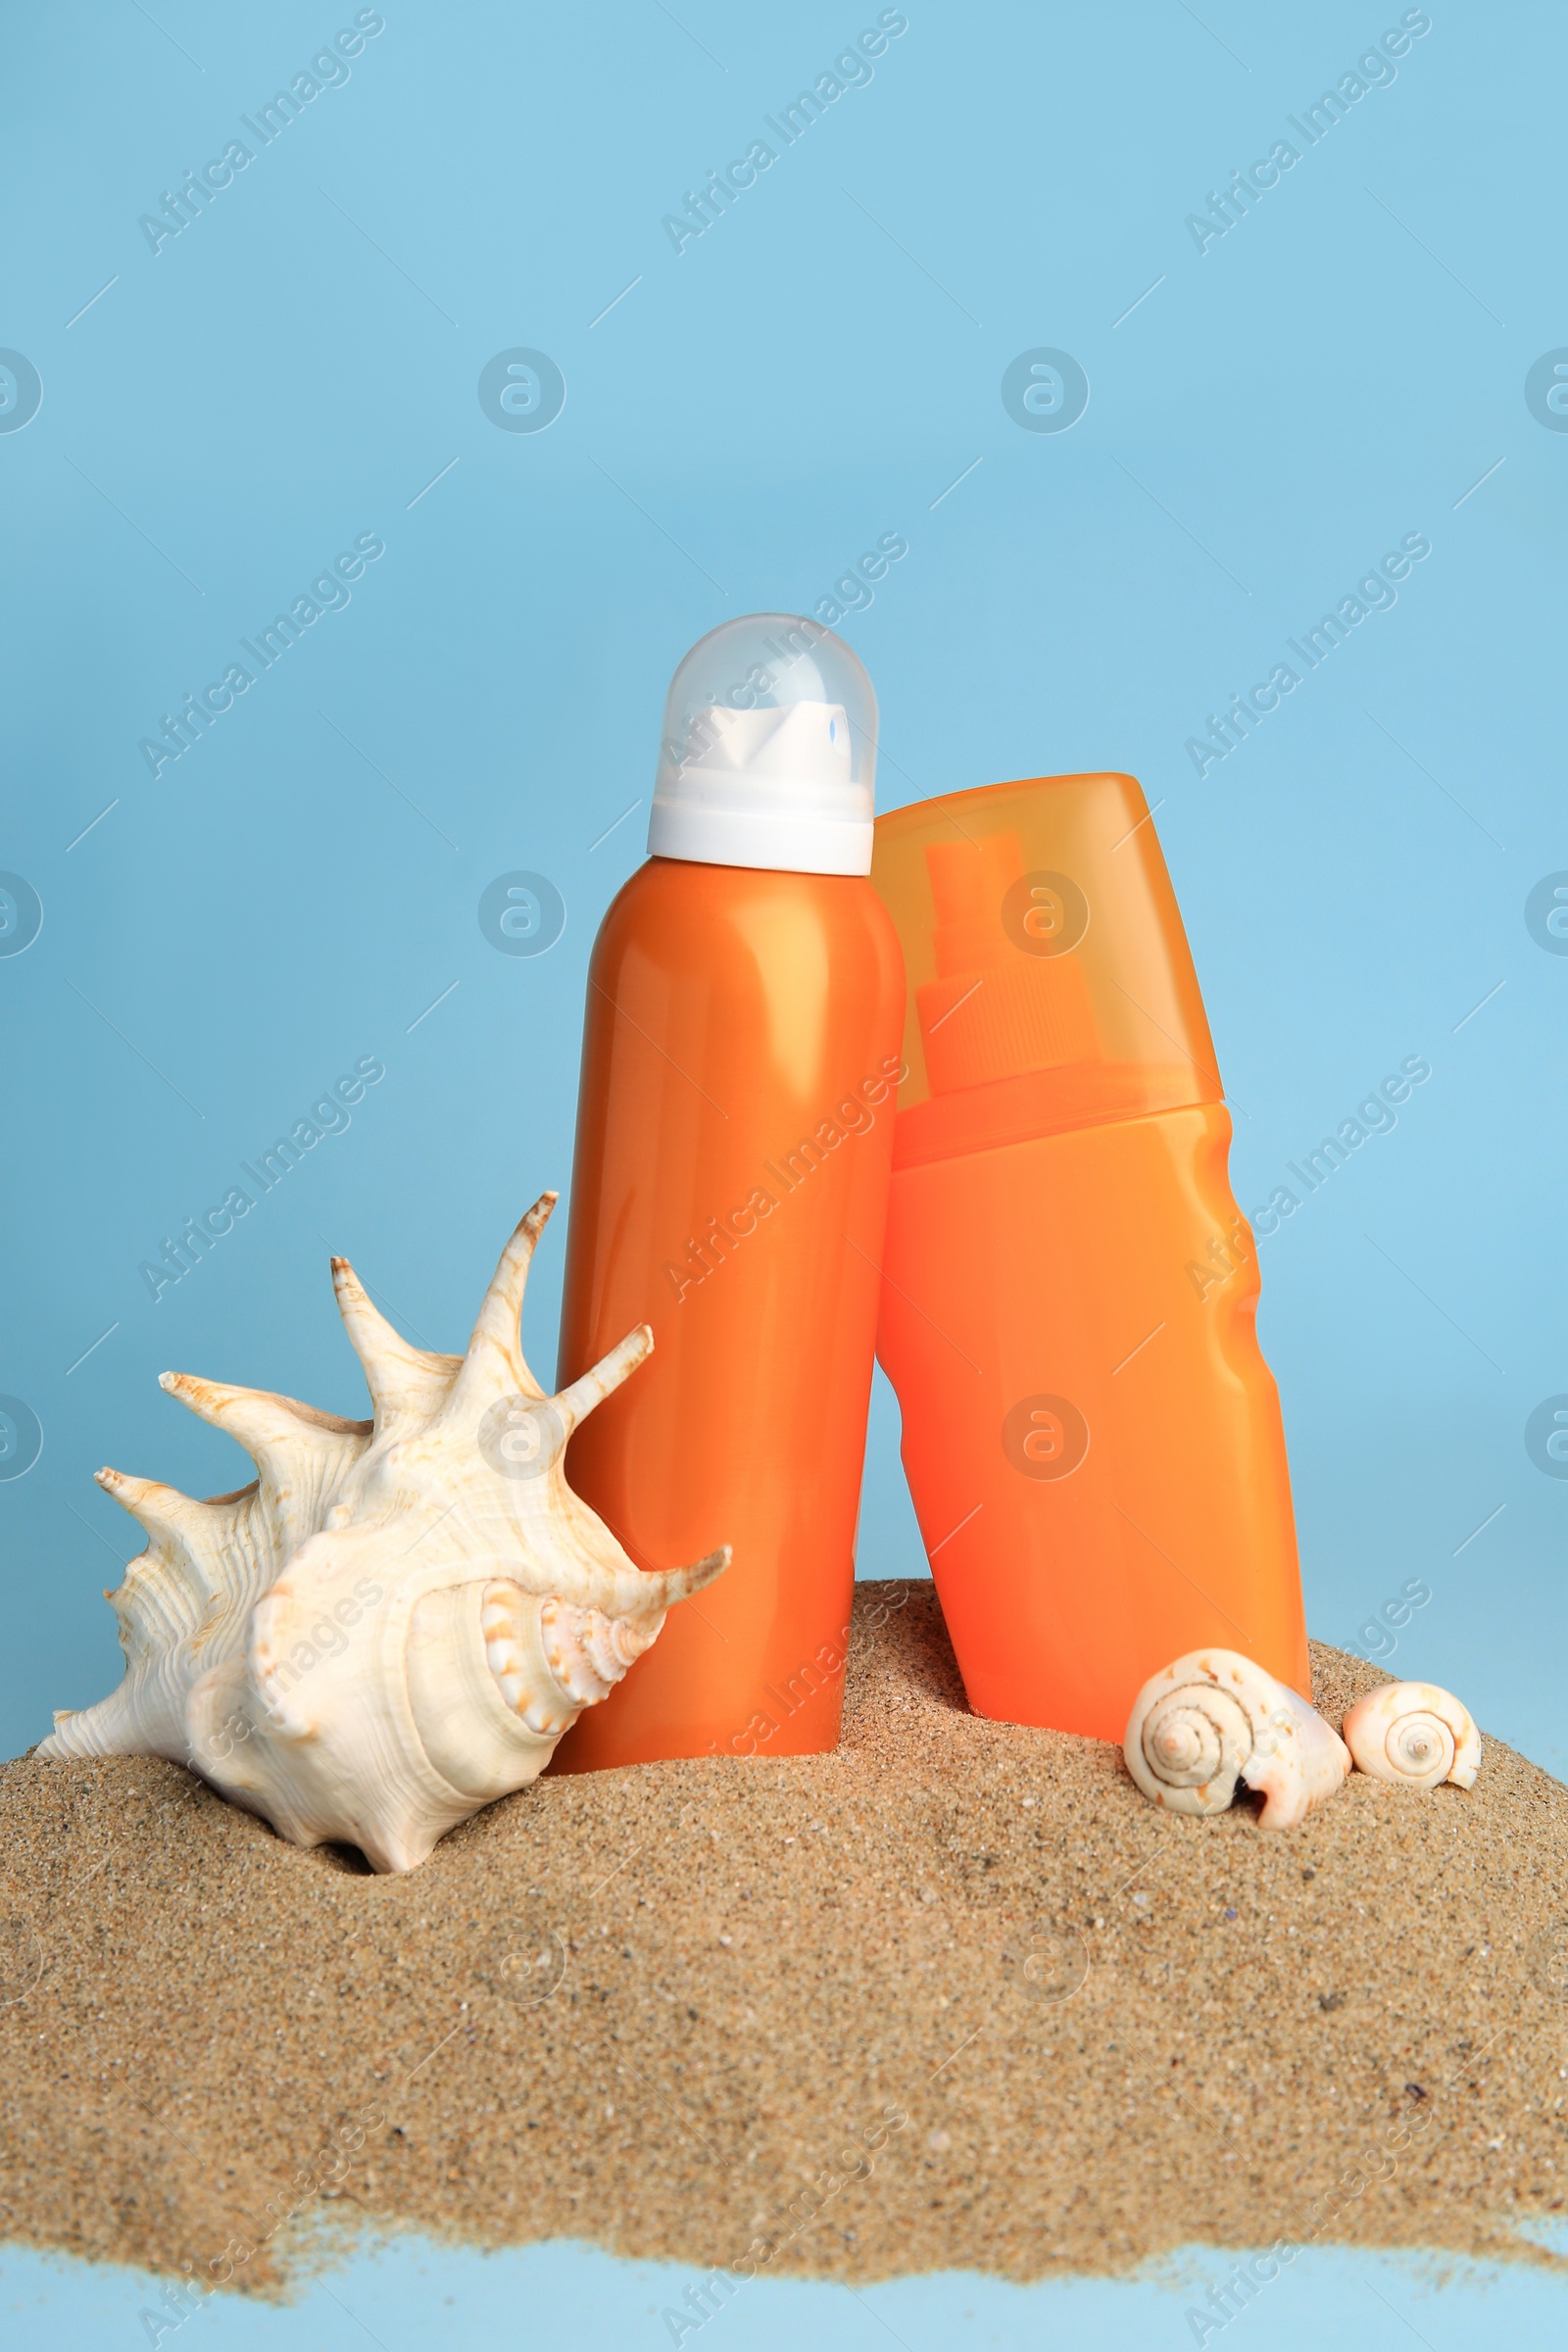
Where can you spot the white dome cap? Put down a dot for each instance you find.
(768, 756)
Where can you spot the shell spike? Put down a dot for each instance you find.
(161, 1510)
(642, 1592)
(494, 1356)
(264, 1424)
(126, 1491)
(577, 1403)
(396, 1374)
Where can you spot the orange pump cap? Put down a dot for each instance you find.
(1050, 982)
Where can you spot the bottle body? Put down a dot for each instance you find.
(1092, 1438)
(1090, 1434)
(740, 1055)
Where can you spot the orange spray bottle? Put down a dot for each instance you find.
(740, 1059)
(1090, 1434)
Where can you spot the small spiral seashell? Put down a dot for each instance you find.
(1414, 1734)
(1198, 1737)
(1214, 1719)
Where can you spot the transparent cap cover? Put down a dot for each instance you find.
(769, 753)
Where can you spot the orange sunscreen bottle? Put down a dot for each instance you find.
(1090, 1434)
(740, 1062)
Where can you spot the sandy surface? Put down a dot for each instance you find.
(954, 1996)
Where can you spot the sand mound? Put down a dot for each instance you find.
(954, 1996)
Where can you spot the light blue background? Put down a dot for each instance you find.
(1340, 368)
(416, 2296)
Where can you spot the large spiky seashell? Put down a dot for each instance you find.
(398, 1620)
(1214, 1719)
(1414, 1734)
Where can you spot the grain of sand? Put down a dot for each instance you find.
(954, 1996)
